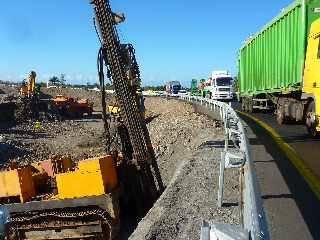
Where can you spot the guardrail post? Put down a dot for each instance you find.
(221, 179)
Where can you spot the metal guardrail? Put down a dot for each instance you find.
(4, 218)
(254, 225)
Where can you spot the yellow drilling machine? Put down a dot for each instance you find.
(60, 199)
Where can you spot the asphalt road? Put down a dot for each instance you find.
(292, 208)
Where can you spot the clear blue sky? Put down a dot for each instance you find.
(174, 39)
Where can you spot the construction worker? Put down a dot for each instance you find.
(37, 125)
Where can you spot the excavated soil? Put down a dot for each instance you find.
(187, 145)
(25, 143)
(92, 95)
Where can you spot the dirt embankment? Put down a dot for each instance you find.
(76, 93)
(8, 92)
(188, 146)
(24, 143)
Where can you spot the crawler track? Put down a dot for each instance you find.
(82, 223)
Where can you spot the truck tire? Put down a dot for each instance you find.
(243, 105)
(311, 121)
(280, 114)
(250, 105)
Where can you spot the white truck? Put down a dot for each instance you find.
(219, 86)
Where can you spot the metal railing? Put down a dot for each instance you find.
(254, 225)
(4, 218)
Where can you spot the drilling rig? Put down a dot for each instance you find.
(60, 199)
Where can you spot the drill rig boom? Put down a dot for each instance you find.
(125, 75)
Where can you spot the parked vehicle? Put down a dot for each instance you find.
(197, 88)
(173, 87)
(194, 87)
(219, 86)
(182, 92)
(69, 107)
(279, 66)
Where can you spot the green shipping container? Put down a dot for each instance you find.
(272, 61)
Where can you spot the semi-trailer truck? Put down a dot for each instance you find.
(279, 67)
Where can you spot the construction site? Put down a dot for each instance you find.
(120, 154)
(81, 164)
(183, 147)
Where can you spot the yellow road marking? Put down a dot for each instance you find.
(295, 159)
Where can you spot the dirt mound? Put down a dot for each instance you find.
(76, 93)
(60, 138)
(7, 89)
(188, 146)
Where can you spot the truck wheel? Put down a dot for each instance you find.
(311, 120)
(250, 105)
(243, 104)
(280, 114)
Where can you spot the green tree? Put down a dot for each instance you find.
(62, 79)
(155, 88)
(54, 80)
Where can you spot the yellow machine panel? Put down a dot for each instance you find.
(113, 109)
(17, 183)
(93, 177)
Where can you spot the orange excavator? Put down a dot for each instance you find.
(31, 105)
(72, 108)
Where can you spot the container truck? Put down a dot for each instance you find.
(219, 86)
(173, 87)
(279, 67)
(194, 87)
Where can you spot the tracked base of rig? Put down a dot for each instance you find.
(73, 223)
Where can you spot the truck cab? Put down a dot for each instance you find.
(220, 86)
(312, 78)
(173, 87)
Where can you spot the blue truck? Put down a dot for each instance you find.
(173, 87)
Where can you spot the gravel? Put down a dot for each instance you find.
(188, 156)
(24, 143)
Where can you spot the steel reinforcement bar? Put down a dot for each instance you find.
(254, 225)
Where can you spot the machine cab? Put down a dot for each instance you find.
(312, 77)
